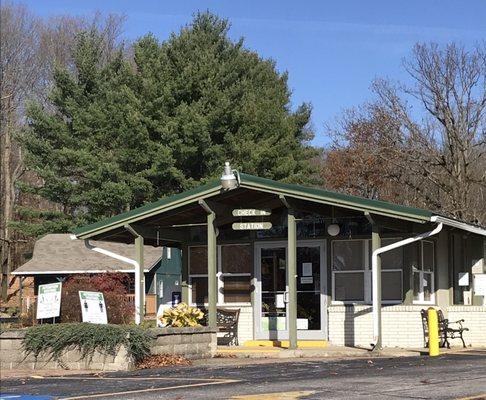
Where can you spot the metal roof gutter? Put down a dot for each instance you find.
(459, 225)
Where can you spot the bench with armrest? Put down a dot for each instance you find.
(227, 322)
(447, 330)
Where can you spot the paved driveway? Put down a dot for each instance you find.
(451, 376)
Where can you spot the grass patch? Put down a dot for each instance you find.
(87, 338)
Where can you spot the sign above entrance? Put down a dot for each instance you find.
(251, 212)
(251, 226)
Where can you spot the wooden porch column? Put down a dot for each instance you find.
(292, 278)
(376, 286)
(212, 271)
(139, 281)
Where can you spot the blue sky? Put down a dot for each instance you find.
(331, 49)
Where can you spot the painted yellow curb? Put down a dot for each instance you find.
(285, 343)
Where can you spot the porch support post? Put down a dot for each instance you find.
(292, 278)
(212, 271)
(376, 286)
(212, 267)
(139, 281)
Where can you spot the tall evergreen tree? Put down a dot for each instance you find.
(120, 134)
(209, 99)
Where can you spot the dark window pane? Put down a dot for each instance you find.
(427, 286)
(198, 260)
(416, 286)
(273, 270)
(309, 309)
(308, 269)
(236, 259)
(199, 290)
(391, 285)
(428, 256)
(392, 259)
(347, 255)
(349, 286)
(236, 289)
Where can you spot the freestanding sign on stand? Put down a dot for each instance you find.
(49, 300)
(93, 307)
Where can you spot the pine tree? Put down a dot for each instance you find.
(120, 134)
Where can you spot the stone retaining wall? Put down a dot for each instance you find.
(191, 343)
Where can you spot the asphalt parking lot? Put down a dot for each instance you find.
(452, 376)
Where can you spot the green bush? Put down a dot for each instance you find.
(87, 338)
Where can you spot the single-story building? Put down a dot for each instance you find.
(303, 263)
(58, 256)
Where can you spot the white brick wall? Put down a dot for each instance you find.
(401, 325)
(353, 326)
(245, 323)
(474, 318)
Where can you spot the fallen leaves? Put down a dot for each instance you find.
(161, 360)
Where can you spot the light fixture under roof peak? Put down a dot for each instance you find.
(230, 178)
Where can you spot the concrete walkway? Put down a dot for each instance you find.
(331, 352)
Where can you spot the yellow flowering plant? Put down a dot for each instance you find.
(181, 315)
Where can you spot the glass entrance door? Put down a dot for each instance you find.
(271, 300)
(273, 278)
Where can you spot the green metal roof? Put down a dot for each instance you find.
(262, 184)
(338, 199)
(151, 208)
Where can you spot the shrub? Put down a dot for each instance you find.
(87, 338)
(114, 288)
(182, 315)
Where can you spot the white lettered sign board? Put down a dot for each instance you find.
(49, 300)
(93, 307)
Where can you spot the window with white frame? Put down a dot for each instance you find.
(391, 273)
(198, 274)
(351, 272)
(235, 265)
(234, 273)
(423, 273)
(348, 270)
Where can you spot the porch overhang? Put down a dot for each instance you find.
(168, 221)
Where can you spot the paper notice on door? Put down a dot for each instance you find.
(279, 301)
(305, 280)
(306, 269)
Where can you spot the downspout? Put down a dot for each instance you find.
(375, 278)
(124, 259)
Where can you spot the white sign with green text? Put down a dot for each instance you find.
(49, 300)
(93, 307)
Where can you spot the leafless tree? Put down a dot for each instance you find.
(30, 49)
(18, 74)
(422, 145)
(443, 148)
